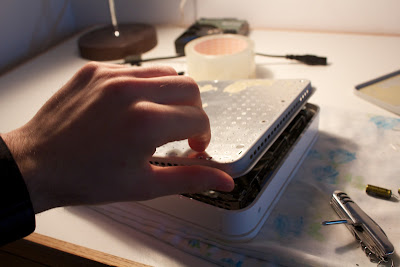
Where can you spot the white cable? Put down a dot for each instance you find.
(113, 17)
(182, 10)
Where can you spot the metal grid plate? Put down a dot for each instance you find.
(246, 116)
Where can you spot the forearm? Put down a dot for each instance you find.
(17, 217)
(23, 153)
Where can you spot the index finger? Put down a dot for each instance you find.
(167, 123)
(146, 72)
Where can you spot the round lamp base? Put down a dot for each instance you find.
(102, 44)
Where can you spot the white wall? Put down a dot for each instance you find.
(363, 16)
(30, 26)
(89, 12)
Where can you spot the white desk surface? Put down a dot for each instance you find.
(353, 59)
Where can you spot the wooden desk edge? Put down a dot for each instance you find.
(80, 251)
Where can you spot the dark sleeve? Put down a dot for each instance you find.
(17, 217)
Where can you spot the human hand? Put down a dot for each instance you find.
(91, 142)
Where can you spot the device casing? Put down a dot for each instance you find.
(289, 97)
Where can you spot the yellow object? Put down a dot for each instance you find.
(378, 191)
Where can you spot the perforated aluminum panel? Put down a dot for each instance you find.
(246, 116)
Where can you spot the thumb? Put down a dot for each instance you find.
(190, 179)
